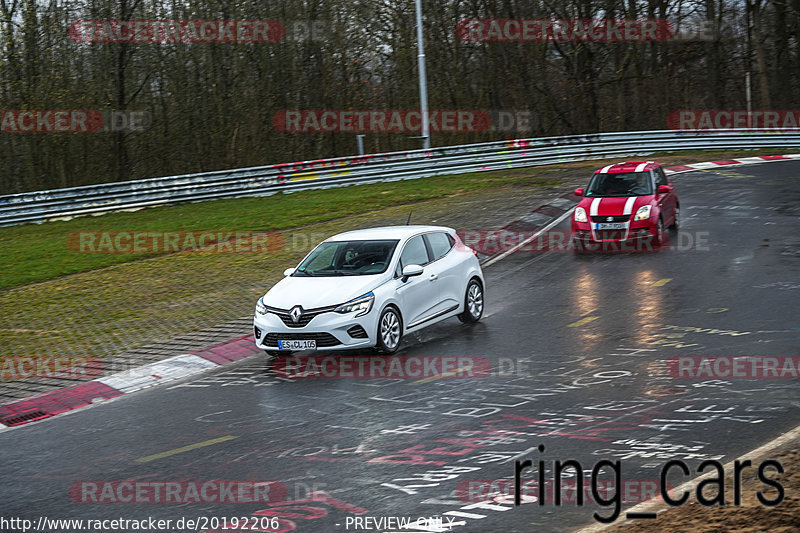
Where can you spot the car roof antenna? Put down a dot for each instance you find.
(408, 222)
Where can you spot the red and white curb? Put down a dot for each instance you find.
(53, 403)
(730, 163)
(56, 402)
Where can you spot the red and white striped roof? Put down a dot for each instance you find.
(628, 166)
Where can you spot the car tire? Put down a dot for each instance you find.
(473, 303)
(676, 221)
(658, 238)
(390, 331)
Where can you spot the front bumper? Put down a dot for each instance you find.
(331, 331)
(633, 235)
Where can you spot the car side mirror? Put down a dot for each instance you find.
(579, 191)
(664, 189)
(288, 272)
(409, 271)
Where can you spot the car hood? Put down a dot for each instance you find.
(618, 205)
(311, 293)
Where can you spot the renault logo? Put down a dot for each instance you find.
(296, 313)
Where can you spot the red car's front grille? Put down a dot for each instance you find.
(610, 218)
(610, 234)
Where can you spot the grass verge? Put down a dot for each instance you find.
(39, 252)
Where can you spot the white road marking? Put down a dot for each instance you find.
(505, 254)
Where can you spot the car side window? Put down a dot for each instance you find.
(414, 253)
(440, 243)
(661, 178)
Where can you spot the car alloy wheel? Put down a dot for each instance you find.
(473, 302)
(389, 331)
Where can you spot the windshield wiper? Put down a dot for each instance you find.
(345, 273)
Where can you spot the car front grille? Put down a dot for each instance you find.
(610, 234)
(305, 318)
(614, 218)
(324, 340)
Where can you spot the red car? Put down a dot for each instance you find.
(626, 206)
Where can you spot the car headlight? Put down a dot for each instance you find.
(362, 304)
(580, 215)
(643, 213)
(261, 309)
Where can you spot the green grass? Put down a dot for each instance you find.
(37, 252)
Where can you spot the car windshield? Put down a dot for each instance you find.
(348, 258)
(620, 184)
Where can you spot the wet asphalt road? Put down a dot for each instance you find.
(578, 348)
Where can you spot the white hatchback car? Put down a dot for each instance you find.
(367, 288)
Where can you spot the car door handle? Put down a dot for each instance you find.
(434, 277)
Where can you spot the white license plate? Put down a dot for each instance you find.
(297, 345)
(611, 225)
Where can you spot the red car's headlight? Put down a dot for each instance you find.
(643, 213)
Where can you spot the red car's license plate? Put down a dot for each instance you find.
(610, 225)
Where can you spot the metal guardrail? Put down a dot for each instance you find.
(41, 206)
